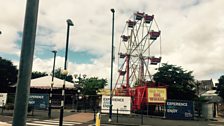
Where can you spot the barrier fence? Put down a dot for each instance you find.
(77, 103)
(92, 103)
(83, 103)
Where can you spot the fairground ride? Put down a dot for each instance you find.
(139, 56)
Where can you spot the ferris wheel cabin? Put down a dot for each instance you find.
(139, 16)
(122, 55)
(148, 18)
(154, 35)
(125, 38)
(131, 24)
(154, 60)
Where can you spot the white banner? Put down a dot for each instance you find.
(3, 97)
(122, 103)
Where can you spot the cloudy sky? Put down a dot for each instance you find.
(192, 33)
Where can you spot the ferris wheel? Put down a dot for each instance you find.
(139, 50)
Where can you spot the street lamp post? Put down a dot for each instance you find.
(77, 99)
(69, 23)
(79, 77)
(111, 74)
(52, 84)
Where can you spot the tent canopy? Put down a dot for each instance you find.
(45, 83)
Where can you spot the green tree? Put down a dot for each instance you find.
(90, 86)
(8, 74)
(58, 74)
(220, 87)
(89, 89)
(37, 74)
(180, 82)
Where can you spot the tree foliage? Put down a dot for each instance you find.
(37, 74)
(220, 87)
(90, 86)
(58, 74)
(8, 74)
(180, 82)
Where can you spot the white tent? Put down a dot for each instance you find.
(45, 83)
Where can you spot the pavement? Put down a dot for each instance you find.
(69, 116)
(136, 120)
(80, 117)
(86, 119)
(218, 119)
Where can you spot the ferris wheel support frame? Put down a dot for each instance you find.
(127, 69)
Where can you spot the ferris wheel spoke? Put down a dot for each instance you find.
(147, 71)
(137, 32)
(133, 73)
(148, 47)
(139, 44)
(135, 43)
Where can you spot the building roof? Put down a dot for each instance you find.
(212, 97)
(205, 85)
(207, 82)
(210, 93)
(45, 83)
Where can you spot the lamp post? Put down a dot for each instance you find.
(65, 72)
(77, 99)
(79, 77)
(111, 74)
(52, 84)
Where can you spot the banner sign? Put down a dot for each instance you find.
(157, 95)
(122, 103)
(3, 98)
(176, 109)
(39, 101)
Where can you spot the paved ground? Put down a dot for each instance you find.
(158, 121)
(80, 117)
(86, 119)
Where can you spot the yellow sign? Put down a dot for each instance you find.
(104, 92)
(157, 95)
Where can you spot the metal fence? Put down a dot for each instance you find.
(73, 102)
(91, 103)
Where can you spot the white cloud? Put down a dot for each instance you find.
(8, 39)
(99, 68)
(192, 31)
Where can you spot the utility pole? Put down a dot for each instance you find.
(26, 62)
(111, 74)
